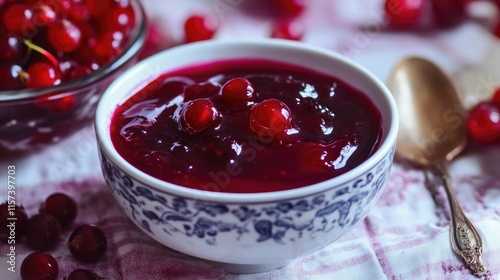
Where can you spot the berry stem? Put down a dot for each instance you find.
(43, 52)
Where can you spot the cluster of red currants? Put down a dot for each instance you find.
(45, 43)
(203, 27)
(483, 123)
(87, 242)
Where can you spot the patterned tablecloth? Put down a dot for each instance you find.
(406, 235)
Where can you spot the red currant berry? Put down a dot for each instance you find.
(57, 105)
(87, 243)
(66, 65)
(63, 7)
(43, 14)
(64, 36)
(289, 8)
(12, 48)
(16, 212)
(108, 45)
(199, 28)
(12, 77)
(42, 232)
(496, 98)
(87, 31)
(39, 266)
(290, 30)
(17, 19)
(120, 18)
(98, 8)
(484, 122)
(238, 93)
(79, 13)
(404, 13)
(79, 71)
(61, 206)
(271, 117)
(82, 274)
(448, 13)
(42, 74)
(198, 115)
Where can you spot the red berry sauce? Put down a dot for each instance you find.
(259, 126)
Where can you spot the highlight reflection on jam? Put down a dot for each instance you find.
(246, 126)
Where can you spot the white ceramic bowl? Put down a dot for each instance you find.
(247, 233)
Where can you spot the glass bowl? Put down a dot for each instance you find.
(31, 119)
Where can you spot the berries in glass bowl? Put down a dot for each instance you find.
(56, 58)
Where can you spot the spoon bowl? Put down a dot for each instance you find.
(432, 127)
(431, 133)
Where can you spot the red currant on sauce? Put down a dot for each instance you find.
(404, 13)
(61, 206)
(64, 36)
(484, 122)
(270, 118)
(39, 266)
(82, 274)
(12, 211)
(87, 243)
(290, 30)
(199, 28)
(198, 115)
(42, 232)
(42, 74)
(238, 93)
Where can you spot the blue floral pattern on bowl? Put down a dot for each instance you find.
(171, 219)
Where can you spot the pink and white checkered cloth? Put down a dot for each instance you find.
(405, 236)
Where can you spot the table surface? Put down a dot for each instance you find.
(405, 236)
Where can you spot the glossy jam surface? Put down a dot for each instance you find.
(292, 127)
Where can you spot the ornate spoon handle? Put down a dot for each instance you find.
(465, 239)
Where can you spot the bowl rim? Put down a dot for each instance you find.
(104, 111)
(134, 45)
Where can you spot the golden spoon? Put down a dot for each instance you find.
(431, 133)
